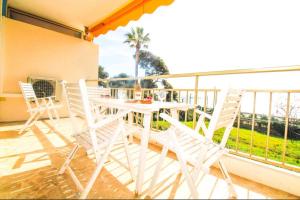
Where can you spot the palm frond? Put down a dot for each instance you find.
(136, 38)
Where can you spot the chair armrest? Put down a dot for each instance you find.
(49, 97)
(183, 127)
(201, 122)
(110, 119)
(208, 116)
(172, 121)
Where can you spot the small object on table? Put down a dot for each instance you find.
(138, 91)
(162, 95)
(149, 99)
(143, 101)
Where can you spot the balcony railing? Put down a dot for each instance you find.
(268, 138)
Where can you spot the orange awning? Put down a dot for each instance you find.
(132, 11)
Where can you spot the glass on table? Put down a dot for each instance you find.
(161, 95)
(122, 94)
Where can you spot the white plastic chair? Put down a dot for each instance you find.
(97, 135)
(195, 149)
(37, 106)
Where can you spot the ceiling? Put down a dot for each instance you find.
(73, 13)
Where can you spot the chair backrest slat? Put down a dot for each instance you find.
(79, 96)
(96, 92)
(28, 94)
(223, 124)
(75, 100)
(226, 110)
(85, 102)
(27, 90)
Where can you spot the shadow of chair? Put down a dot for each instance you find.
(45, 183)
(9, 134)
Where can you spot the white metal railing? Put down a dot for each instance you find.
(254, 134)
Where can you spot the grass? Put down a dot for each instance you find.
(259, 143)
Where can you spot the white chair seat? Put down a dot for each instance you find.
(44, 107)
(132, 129)
(103, 135)
(191, 147)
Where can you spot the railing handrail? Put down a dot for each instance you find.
(211, 73)
(211, 89)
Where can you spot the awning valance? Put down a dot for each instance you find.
(132, 11)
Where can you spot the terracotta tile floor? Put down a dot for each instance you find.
(29, 165)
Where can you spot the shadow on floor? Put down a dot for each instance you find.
(9, 134)
(113, 181)
(45, 183)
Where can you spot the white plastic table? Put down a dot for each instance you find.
(147, 110)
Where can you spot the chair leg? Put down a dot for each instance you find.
(130, 137)
(35, 119)
(224, 171)
(50, 116)
(28, 122)
(199, 165)
(100, 164)
(157, 170)
(56, 119)
(51, 108)
(92, 180)
(56, 115)
(130, 122)
(188, 177)
(68, 160)
(128, 157)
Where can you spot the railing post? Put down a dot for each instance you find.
(195, 100)
(238, 131)
(253, 122)
(286, 128)
(186, 101)
(205, 101)
(269, 125)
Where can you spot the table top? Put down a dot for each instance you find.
(139, 107)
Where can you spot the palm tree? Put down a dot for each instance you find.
(137, 39)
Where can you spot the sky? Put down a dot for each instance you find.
(208, 35)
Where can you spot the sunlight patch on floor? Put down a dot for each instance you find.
(29, 164)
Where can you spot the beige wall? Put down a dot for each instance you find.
(35, 51)
(1, 51)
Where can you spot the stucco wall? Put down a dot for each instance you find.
(33, 51)
(1, 51)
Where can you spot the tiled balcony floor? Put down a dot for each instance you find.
(29, 165)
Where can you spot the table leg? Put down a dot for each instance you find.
(174, 113)
(130, 122)
(143, 153)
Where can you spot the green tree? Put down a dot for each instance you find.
(137, 39)
(154, 65)
(103, 75)
(121, 83)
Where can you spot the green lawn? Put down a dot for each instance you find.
(259, 143)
